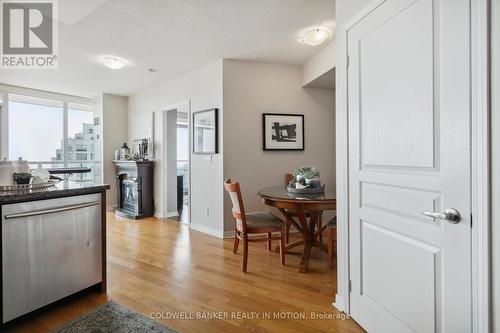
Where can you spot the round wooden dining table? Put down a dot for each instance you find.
(299, 205)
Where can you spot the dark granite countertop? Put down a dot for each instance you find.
(62, 189)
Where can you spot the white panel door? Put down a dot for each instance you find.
(409, 151)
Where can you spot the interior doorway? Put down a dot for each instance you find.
(176, 162)
(183, 165)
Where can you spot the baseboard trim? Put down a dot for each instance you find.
(339, 303)
(110, 207)
(207, 230)
(172, 214)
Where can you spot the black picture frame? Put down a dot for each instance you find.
(297, 142)
(197, 116)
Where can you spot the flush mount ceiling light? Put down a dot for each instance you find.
(315, 36)
(113, 62)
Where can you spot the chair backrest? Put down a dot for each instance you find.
(288, 178)
(238, 209)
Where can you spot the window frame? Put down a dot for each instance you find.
(66, 100)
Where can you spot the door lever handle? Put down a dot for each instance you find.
(450, 214)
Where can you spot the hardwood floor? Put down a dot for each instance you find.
(160, 267)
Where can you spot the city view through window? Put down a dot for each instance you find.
(29, 139)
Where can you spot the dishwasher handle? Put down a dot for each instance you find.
(51, 210)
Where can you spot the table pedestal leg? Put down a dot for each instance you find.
(308, 236)
(304, 261)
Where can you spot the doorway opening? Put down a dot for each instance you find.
(176, 161)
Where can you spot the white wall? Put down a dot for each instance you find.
(318, 65)
(495, 167)
(203, 87)
(114, 134)
(253, 88)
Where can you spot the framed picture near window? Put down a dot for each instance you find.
(205, 132)
(283, 131)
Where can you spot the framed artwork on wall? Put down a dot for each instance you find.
(283, 131)
(206, 132)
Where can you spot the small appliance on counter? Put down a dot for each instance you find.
(9, 168)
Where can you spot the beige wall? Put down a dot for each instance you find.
(253, 88)
(495, 149)
(114, 134)
(203, 87)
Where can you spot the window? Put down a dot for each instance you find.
(35, 128)
(53, 132)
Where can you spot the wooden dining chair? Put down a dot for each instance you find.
(253, 223)
(331, 227)
(288, 223)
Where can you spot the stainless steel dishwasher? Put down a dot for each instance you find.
(50, 250)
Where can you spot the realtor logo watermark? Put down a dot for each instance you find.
(29, 34)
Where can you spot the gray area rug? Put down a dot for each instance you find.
(113, 318)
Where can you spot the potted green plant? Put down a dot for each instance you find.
(307, 173)
(22, 178)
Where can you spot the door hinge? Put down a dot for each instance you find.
(347, 61)
(471, 220)
(350, 285)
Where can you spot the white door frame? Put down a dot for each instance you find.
(163, 111)
(480, 145)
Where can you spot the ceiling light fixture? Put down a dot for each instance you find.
(315, 36)
(113, 62)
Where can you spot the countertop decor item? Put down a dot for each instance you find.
(283, 131)
(22, 178)
(124, 152)
(40, 175)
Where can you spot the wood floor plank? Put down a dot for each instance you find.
(160, 267)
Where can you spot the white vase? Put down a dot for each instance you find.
(40, 175)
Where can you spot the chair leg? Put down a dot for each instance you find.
(269, 241)
(330, 248)
(245, 252)
(320, 226)
(236, 242)
(282, 245)
(288, 224)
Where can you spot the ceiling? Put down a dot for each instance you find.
(170, 36)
